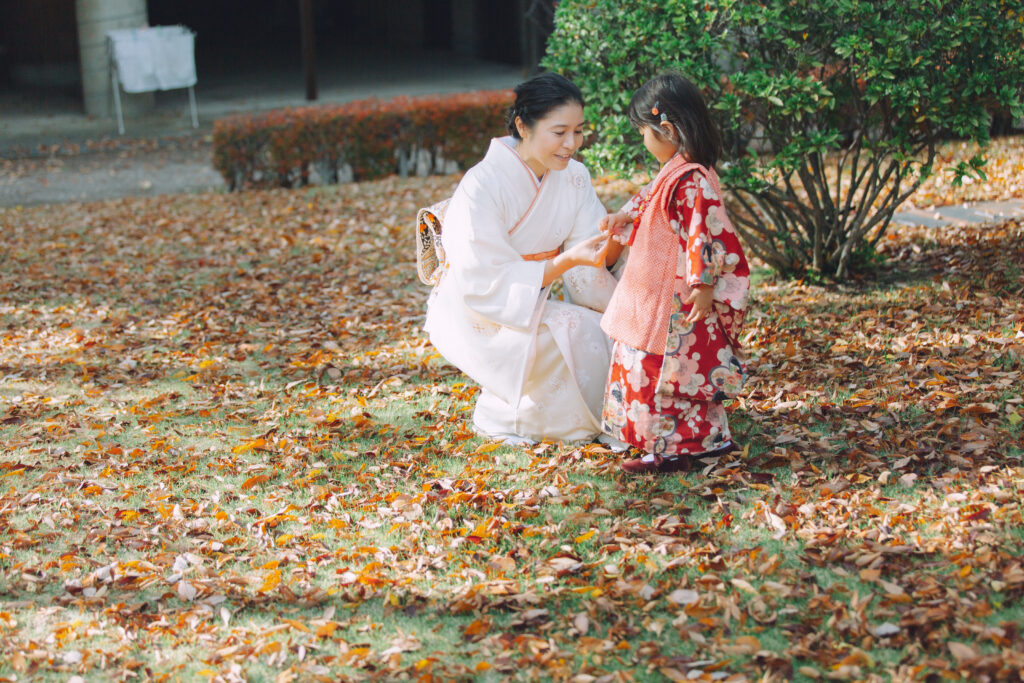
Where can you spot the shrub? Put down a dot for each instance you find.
(357, 140)
(831, 109)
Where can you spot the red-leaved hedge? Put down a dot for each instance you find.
(357, 140)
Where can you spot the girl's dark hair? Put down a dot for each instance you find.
(538, 96)
(680, 103)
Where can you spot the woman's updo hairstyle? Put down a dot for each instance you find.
(670, 97)
(538, 96)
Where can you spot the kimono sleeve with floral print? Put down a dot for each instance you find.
(703, 360)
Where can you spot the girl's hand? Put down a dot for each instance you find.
(590, 252)
(616, 225)
(701, 297)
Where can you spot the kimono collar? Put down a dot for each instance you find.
(670, 167)
(660, 189)
(678, 166)
(508, 143)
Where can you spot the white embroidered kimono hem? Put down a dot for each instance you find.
(541, 364)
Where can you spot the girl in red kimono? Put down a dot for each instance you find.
(676, 314)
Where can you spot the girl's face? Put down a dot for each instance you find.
(552, 140)
(658, 144)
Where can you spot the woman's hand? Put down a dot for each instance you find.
(616, 225)
(701, 297)
(589, 252)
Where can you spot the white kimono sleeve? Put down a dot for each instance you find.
(495, 281)
(586, 285)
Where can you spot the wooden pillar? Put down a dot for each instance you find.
(308, 47)
(405, 25)
(465, 28)
(525, 44)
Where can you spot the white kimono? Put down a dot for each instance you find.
(541, 364)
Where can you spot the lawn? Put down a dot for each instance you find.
(229, 453)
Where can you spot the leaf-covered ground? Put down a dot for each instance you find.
(1004, 173)
(229, 452)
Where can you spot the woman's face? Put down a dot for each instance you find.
(552, 140)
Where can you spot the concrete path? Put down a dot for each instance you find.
(179, 166)
(962, 214)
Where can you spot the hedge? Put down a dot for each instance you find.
(357, 140)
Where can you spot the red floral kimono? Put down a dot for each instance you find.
(671, 404)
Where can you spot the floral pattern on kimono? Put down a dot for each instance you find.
(670, 404)
(635, 413)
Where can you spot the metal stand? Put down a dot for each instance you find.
(192, 105)
(116, 87)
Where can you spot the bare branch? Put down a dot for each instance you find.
(764, 248)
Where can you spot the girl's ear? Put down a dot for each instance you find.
(668, 131)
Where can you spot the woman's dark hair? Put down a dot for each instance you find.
(538, 96)
(679, 102)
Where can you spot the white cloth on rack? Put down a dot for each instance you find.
(154, 58)
(134, 59)
(174, 57)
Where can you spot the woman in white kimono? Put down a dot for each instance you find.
(524, 216)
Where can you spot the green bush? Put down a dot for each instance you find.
(830, 109)
(357, 140)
